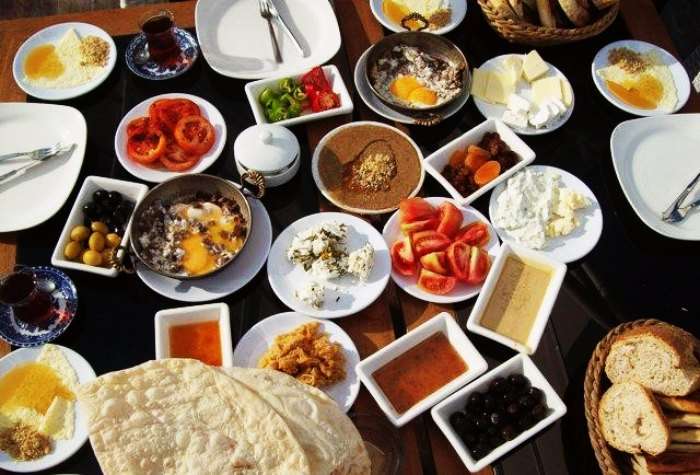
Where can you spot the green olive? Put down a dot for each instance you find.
(72, 250)
(92, 258)
(113, 240)
(100, 227)
(79, 233)
(96, 242)
(107, 256)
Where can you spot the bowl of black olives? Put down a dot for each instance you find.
(498, 411)
(97, 225)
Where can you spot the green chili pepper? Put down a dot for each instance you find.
(266, 95)
(287, 85)
(299, 94)
(287, 99)
(276, 115)
(295, 109)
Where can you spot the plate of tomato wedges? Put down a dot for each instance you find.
(168, 135)
(440, 251)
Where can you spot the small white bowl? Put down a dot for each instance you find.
(442, 322)
(518, 364)
(558, 270)
(459, 11)
(194, 314)
(134, 191)
(436, 161)
(253, 90)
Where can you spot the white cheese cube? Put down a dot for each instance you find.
(515, 119)
(480, 80)
(559, 105)
(546, 89)
(518, 103)
(533, 66)
(539, 118)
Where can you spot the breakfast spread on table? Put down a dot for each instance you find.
(272, 399)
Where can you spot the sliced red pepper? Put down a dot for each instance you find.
(317, 79)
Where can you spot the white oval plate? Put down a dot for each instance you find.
(161, 173)
(459, 11)
(582, 240)
(32, 198)
(350, 295)
(229, 280)
(52, 34)
(374, 103)
(63, 449)
(680, 76)
(258, 339)
(651, 184)
(409, 284)
(235, 39)
(522, 88)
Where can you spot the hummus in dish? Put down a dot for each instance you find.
(369, 167)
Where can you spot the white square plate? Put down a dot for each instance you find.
(442, 322)
(436, 161)
(518, 364)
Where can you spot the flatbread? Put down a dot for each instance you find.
(180, 416)
(331, 442)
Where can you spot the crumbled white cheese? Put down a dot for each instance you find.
(515, 119)
(321, 250)
(311, 293)
(518, 104)
(361, 261)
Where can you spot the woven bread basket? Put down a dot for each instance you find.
(611, 461)
(526, 33)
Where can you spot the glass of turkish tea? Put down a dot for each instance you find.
(159, 26)
(30, 303)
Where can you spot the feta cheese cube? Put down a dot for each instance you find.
(515, 119)
(517, 103)
(539, 118)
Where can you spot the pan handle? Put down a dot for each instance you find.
(122, 259)
(428, 120)
(415, 16)
(254, 183)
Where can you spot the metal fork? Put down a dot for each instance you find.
(6, 177)
(267, 15)
(37, 154)
(676, 212)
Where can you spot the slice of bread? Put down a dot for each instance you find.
(631, 420)
(518, 7)
(670, 462)
(685, 434)
(689, 403)
(503, 8)
(658, 357)
(678, 419)
(546, 13)
(577, 14)
(684, 447)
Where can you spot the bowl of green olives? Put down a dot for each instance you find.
(98, 224)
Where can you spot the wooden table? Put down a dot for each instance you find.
(425, 450)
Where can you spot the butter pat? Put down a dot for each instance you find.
(546, 89)
(533, 66)
(566, 93)
(480, 82)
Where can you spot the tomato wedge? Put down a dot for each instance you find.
(425, 242)
(169, 111)
(402, 259)
(436, 283)
(147, 146)
(174, 166)
(474, 234)
(423, 225)
(136, 126)
(415, 209)
(194, 134)
(458, 260)
(450, 219)
(435, 262)
(479, 264)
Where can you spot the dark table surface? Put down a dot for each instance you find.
(632, 273)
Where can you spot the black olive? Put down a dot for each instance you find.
(513, 409)
(120, 215)
(496, 440)
(508, 432)
(497, 385)
(114, 198)
(479, 451)
(507, 398)
(496, 418)
(100, 196)
(536, 394)
(99, 211)
(459, 422)
(525, 422)
(518, 380)
(538, 412)
(526, 401)
(492, 430)
(489, 402)
(89, 209)
(475, 401)
(482, 423)
(483, 439)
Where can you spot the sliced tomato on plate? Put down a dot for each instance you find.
(194, 134)
(423, 225)
(415, 209)
(402, 258)
(139, 125)
(425, 242)
(474, 234)
(450, 219)
(169, 111)
(435, 283)
(479, 264)
(458, 260)
(436, 262)
(147, 146)
(176, 159)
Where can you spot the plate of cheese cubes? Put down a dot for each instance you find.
(528, 94)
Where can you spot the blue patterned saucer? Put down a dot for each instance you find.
(140, 64)
(64, 299)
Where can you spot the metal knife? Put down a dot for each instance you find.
(21, 170)
(283, 24)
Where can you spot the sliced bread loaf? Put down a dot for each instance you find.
(631, 420)
(659, 357)
(689, 403)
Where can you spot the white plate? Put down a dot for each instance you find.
(53, 34)
(236, 42)
(232, 278)
(374, 103)
(129, 190)
(160, 173)
(435, 162)
(523, 89)
(37, 195)
(258, 339)
(350, 296)
(253, 90)
(459, 11)
(655, 158)
(63, 449)
(582, 240)
(462, 291)
(517, 364)
(680, 76)
(326, 192)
